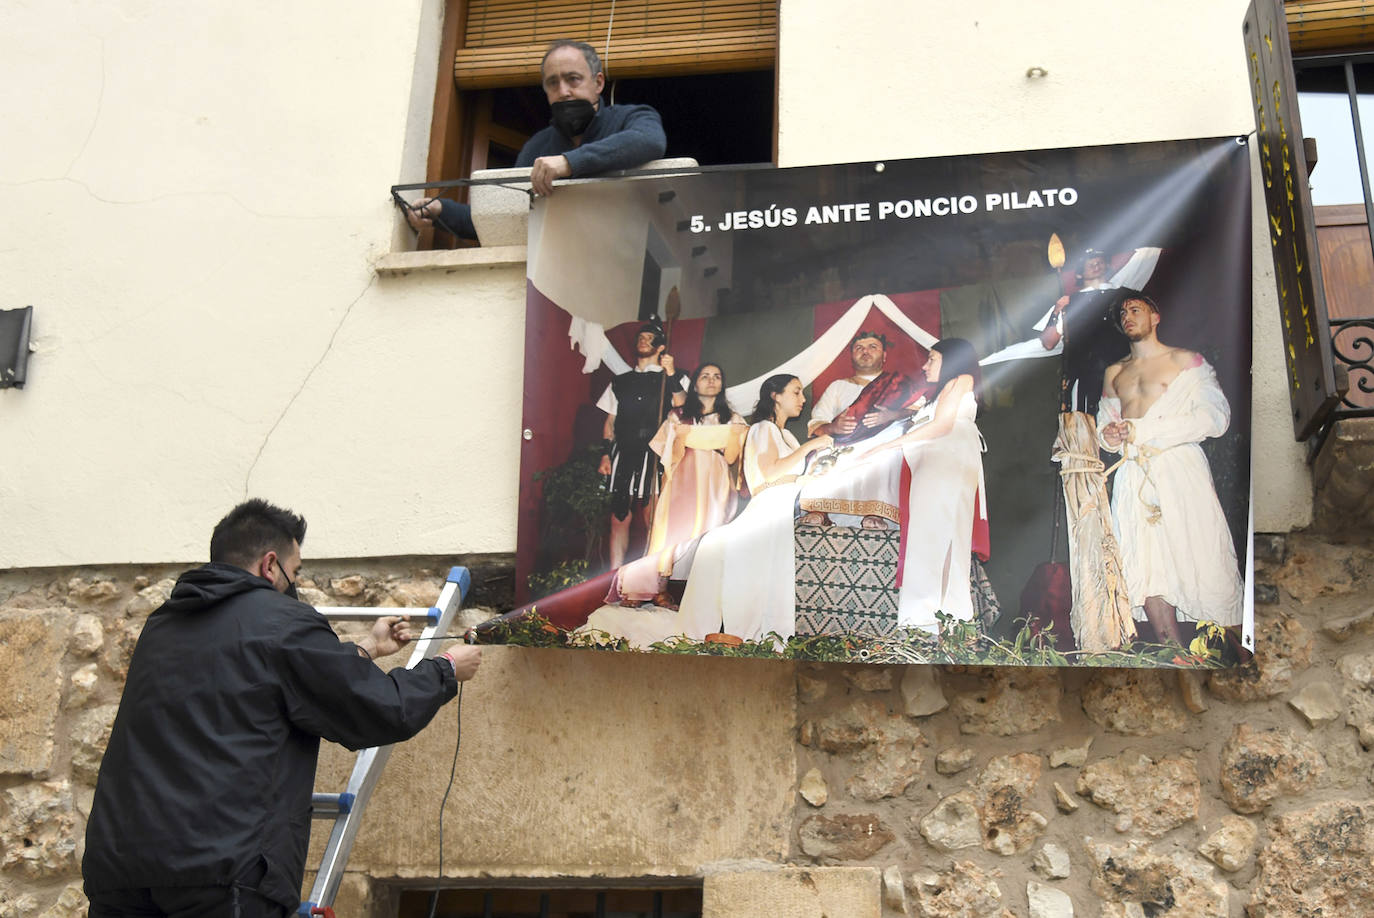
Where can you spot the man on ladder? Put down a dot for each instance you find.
(202, 806)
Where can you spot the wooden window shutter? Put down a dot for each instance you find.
(1316, 26)
(505, 39)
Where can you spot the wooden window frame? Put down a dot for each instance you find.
(460, 124)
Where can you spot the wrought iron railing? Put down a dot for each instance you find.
(1352, 345)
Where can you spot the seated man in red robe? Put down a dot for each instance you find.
(852, 410)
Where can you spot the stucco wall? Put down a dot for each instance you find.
(195, 196)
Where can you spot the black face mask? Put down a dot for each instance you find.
(571, 117)
(290, 584)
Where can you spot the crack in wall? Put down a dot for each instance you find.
(329, 346)
(95, 119)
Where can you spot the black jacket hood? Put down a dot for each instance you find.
(203, 587)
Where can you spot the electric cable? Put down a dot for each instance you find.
(452, 770)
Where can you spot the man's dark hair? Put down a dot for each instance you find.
(252, 529)
(1126, 295)
(588, 53)
(865, 333)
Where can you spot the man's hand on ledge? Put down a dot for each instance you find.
(421, 214)
(545, 170)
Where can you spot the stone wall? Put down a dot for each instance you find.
(792, 790)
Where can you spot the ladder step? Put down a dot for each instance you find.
(370, 613)
(330, 806)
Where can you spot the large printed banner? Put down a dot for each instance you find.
(982, 408)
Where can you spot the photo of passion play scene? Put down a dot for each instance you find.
(771, 416)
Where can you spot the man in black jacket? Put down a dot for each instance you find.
(202, 806)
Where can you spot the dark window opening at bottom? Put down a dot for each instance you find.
(716, 119)
(625, 902)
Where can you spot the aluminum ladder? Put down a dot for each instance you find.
(346, 808)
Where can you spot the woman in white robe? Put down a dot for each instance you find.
(700, 444)
(743, 578)
(944, 450)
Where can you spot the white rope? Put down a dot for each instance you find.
(606, 53)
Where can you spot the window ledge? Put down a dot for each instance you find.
(399, 264)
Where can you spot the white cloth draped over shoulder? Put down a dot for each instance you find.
(1175, 542)
(590, 338)
(743, 577)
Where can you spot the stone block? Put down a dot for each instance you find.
(1004, 789)
(1064, 801)
(1346, 764)
(952, 761)
(810, 689)
(32, 644)
(1318, 703)
(1011, 702)
(1230, 846)
(81, 686)
(813, 788)
(921, 692)
(1047, 902)
(93, 592)
(71, 903)
(1134, 880)
(1357, 669)
(90, 733)
(1073, 756)
(38, 831)
(894, 889)
(1152, 795)
(883, 746)
(1270, 547)
(1283, 648)
(868, 678)
(794, 892)
(1259, 765)
(1317, 569)
(350, 587)
(963, 890)
(1134, 702)
(994, 813)
(1340, 477)
(585, 764)
(1316, 862)
(1052, 861)
(88, 636)
(1348, 626)
(1190, 689)
(852, 837)
(954, 823)
(149, 598)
